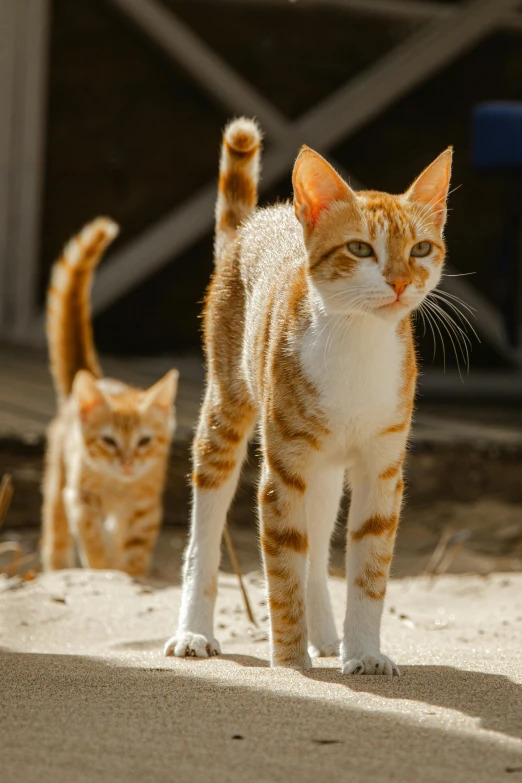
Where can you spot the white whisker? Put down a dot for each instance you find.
(465, 320)
(437, 320)
(446, 294)
(451, 327)
(458, 326)
(424, 309)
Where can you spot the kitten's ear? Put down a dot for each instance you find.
(87, 394)
(316, 186)
(431, 188)
(162, 394)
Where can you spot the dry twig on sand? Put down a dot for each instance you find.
(18, 560)
(450, 543)
(14, 566)
(6, 495)
(235, 565)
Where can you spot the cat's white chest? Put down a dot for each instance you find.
(357, 369)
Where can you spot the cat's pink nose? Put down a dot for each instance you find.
(126, 466)
(399, 286)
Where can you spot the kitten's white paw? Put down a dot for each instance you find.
(324, 649)
(371, 664)
(193, 645)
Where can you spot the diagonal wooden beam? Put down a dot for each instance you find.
(209, 69)
(402, 9)
(203, 64)
(332, 120)
(193, 219)
(413, 10)
(409, 64)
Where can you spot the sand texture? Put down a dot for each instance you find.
(86, 694)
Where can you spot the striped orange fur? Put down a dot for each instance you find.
(307, 331)
(69, 327)
(108, 445)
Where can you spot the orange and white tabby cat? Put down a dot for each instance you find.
(109, 443)
(308, 332)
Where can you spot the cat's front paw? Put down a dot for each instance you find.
(324, 649)
(370, 664)
(193, 645)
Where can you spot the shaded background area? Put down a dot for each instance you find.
(127, 131)
(130, 134)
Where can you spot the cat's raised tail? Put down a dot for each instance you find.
(238, 177)
(69, 324)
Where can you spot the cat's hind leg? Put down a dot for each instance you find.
(284, 493)
(219, 450)
(284, 541)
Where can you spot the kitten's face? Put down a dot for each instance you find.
(371, 252)
(126, 432)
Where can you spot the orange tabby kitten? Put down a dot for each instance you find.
(308, 332)
(109, 443)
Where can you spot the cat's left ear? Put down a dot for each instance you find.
(316, 186)
(163, 393)
(431, 188)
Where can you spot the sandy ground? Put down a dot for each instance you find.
(86, 695)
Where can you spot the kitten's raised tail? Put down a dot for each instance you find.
(238, 177)
(69, 324)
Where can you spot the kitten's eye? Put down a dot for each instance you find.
(360, 249)
(421, 249)
(109, 441)
(144, 441)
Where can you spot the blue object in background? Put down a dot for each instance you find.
(497, 148)
(497, 136)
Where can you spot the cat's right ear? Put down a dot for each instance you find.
(163, 393)
(316, 186)
(431, 189)
(88, 396)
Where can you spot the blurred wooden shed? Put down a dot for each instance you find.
(116, 106)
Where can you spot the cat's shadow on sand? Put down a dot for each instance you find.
(492, 698)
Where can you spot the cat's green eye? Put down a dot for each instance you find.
(109, 441)
(144, 441)
(360, 249)
(421, 249)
